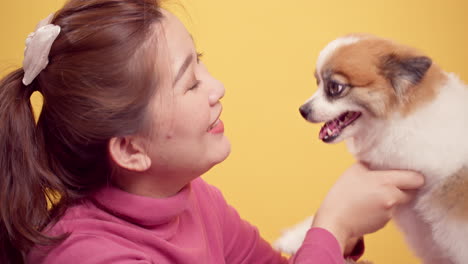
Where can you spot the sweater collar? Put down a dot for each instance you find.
(142, 210)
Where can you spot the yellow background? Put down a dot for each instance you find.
(264, 52)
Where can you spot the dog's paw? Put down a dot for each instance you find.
(292, 238)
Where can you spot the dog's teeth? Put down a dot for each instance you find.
(329, 132)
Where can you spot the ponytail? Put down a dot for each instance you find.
(24, 177)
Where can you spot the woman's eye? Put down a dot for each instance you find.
(335, 88)
(193, 87)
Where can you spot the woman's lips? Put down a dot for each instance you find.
(217, 127)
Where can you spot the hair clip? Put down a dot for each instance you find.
(38, 45)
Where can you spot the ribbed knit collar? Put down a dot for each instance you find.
(142, 210)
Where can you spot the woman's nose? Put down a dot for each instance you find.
(216, 93)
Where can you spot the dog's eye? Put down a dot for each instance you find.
(335, 88)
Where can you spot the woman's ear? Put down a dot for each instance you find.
(129, 153)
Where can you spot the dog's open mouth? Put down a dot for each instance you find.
(333, 128)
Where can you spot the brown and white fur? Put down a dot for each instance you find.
(410, 115)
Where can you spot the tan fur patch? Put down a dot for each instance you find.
(452, 195)
(359, 64)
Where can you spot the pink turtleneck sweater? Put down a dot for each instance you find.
(194, 226)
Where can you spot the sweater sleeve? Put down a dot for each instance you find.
(243, 243)
(319, 246)
(87, 249)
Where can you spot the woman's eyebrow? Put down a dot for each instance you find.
(183, 68)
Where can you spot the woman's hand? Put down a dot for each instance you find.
(362, 201)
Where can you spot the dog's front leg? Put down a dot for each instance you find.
(292, 238)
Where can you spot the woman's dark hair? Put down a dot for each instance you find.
(97, 85)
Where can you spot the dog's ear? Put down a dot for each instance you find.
(404, 72)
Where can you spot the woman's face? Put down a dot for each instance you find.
(187, 137)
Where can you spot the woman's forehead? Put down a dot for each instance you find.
(179, 43)
(177, 37)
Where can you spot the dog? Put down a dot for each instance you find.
(396, 109)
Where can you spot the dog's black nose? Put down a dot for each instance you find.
(305, 110)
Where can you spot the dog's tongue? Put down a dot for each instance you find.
(331, 128)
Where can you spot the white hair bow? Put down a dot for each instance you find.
(38, 45)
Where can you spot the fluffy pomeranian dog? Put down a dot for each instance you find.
(396, 109)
